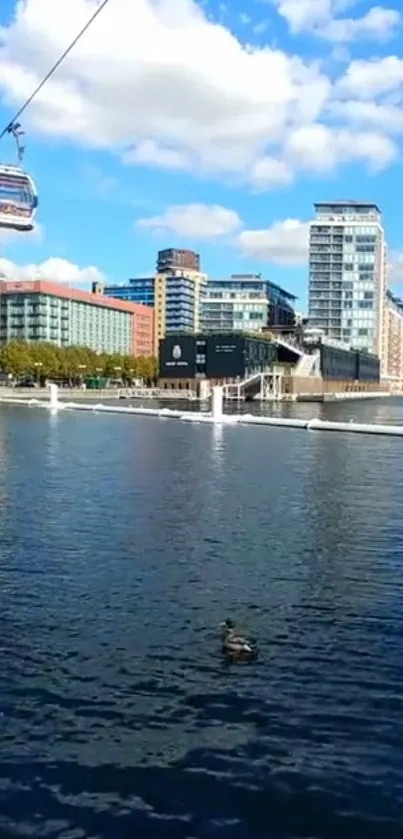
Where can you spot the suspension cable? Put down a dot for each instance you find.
(53, 69)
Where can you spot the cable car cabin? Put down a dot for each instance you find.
(18, 199)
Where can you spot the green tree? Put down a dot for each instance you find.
(147, 369)
(46, 361)
(15, 358)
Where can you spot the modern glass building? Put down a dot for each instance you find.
(175, 298)
(246, 303)
(182, 301)
(136, 290)
(347, 273)
(281, 314)
(40, 310)
(234, 304)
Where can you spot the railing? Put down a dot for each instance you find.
(290, 343)
(236, 390)
(269, 388)
(64, 393)
(156, 393)
(69, 394)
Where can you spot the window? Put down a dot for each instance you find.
(348, 238)
(349, 266)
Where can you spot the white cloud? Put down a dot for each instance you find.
(197, 221)
(304, 14)
(55, 269)
(284, 243)
(270, 172)
(170, 88)
(378, 24)
(364, 114)
(319, 148)
(150, 153)
(321, 18)
(368, 79)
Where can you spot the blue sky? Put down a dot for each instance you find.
(212, 126)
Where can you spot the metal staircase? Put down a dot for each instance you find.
(265, 387)
(290, 345)
(246, 389)
(308, 365)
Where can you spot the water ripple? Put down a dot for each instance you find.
(123, 544)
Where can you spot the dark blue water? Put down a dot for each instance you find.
(123, 543)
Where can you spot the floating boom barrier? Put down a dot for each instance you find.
(216, 416)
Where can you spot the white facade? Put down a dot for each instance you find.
(235, 305)
(347, 282)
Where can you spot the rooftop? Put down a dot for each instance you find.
(394, 299)
(252, 278)
(60, 290)
(348, 202)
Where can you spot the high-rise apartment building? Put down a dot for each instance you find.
(174, 294)
(347, 282)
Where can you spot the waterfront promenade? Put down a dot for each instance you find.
(69, 394)
(64, 393)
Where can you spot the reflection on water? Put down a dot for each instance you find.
(123, 544)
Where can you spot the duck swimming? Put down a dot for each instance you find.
(236, 645)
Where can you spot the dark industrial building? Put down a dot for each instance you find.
(338, 364)
(186, 359)
(215, 356)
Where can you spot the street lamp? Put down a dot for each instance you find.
(117, 376)
(38, 365)
(82, 367)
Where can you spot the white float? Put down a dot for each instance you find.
(54, 403)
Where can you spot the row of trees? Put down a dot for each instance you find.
(43, 360)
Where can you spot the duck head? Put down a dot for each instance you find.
(228, 626)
